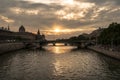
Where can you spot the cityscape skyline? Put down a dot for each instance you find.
(22, 29)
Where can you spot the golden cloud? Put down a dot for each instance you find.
(6, 19)
(74, 12)
(17, 10)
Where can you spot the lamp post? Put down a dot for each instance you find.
(112, 43)
(96, 41)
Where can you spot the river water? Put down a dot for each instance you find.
(58, 63)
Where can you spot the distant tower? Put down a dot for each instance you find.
(38, 33)
(8, 27)
(21, 29)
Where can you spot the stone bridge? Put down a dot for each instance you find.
(79, 44)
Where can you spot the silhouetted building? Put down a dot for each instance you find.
(96, 33)
(25, 35)
(5, 29)
(43, 37)
(21, 29)
(39, 36)
(7, 35)
(22, 34)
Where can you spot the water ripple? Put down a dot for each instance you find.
(58, 63)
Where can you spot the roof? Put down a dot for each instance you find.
(21, 27)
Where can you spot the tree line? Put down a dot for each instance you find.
(110, 35)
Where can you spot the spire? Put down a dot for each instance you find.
(38, 32)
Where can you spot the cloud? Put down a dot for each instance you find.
(6, 19)
(100, 2)
(75, 12)
(70, 14)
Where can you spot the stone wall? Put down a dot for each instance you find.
(113, 54)
(7, 47)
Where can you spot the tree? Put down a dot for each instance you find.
(110, 35)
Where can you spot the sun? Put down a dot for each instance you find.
(57, 30)
(69, 1)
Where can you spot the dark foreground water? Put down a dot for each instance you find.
(58, 63)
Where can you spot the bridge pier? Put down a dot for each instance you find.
(78, 47)
(54, 44)
(65, 44)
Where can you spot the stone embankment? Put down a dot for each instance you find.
(113, 54)
(7, 47)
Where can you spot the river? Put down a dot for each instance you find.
(58, 63)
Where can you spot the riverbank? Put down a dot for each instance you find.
(113, 54)
(7, 47)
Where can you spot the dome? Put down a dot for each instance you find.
(22, 29)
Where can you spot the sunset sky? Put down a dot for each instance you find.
(59, 18)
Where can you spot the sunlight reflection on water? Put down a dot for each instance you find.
(58, 63)
(59, 49)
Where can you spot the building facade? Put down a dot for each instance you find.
(7, 35)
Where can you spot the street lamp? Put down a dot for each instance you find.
(112, 43)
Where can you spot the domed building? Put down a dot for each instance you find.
(21, 29)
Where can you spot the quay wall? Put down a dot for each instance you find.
(110, 53)
(7, 47)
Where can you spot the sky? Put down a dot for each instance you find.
(59, 18)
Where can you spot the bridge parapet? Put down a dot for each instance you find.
(72, 43)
